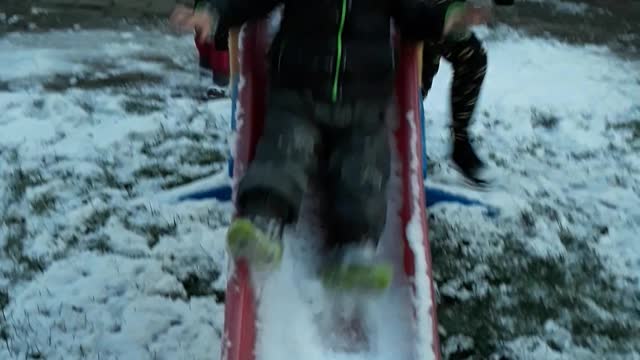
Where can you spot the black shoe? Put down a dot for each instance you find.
(217, 92)
(467, 162)
(220, 79)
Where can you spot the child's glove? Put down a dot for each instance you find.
(203, 22)
(460, 17)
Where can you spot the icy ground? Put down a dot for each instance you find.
(100, 130)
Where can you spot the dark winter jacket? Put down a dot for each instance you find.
(339, 50)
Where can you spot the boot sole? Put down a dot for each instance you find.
(475, 183)
(245, 241)
(358, 277)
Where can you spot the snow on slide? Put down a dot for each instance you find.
(288, 314)
(297, 316)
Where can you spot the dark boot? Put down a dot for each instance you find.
(466, 160)
(220, 87)
(353, 267)
(256, 234)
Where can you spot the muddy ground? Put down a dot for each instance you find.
(615, 23)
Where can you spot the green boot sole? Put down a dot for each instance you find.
(244, 240)
(376, 277)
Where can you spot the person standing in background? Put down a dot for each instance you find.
(466, 54)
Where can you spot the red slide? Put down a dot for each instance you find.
(240, 333)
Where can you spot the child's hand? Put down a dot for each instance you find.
(185, 19)
(466, 17)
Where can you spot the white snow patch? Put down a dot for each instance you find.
(415, 235)
(110, 306)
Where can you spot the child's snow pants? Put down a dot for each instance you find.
(344, 146)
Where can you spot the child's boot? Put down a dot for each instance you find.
(466, 161)
(354, 267)
(257, 239)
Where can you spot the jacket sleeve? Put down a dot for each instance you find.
(237, 12)
(421, 20)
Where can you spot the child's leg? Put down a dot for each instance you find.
(204, 49)
(220, 55)
(358, 174)
(359, 167)
(270, 193)
(220, 67)
(469, 61)
(205, 71)
(430, 66)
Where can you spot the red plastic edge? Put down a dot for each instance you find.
(238, 342)
(407, 87)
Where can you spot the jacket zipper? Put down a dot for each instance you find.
(336, 79)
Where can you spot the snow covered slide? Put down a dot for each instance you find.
(285, 316)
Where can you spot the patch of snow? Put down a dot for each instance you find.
(39, 11)
(416, 233)
(110, 307)
(568, 7)
(13, 19)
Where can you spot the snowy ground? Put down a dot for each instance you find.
(90, 267)
(97, 127)
(557, 274)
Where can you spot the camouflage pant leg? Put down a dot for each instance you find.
(430, 65)
(469, 61)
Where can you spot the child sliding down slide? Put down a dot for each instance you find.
(331, 73)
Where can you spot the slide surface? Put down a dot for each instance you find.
(288, 315)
